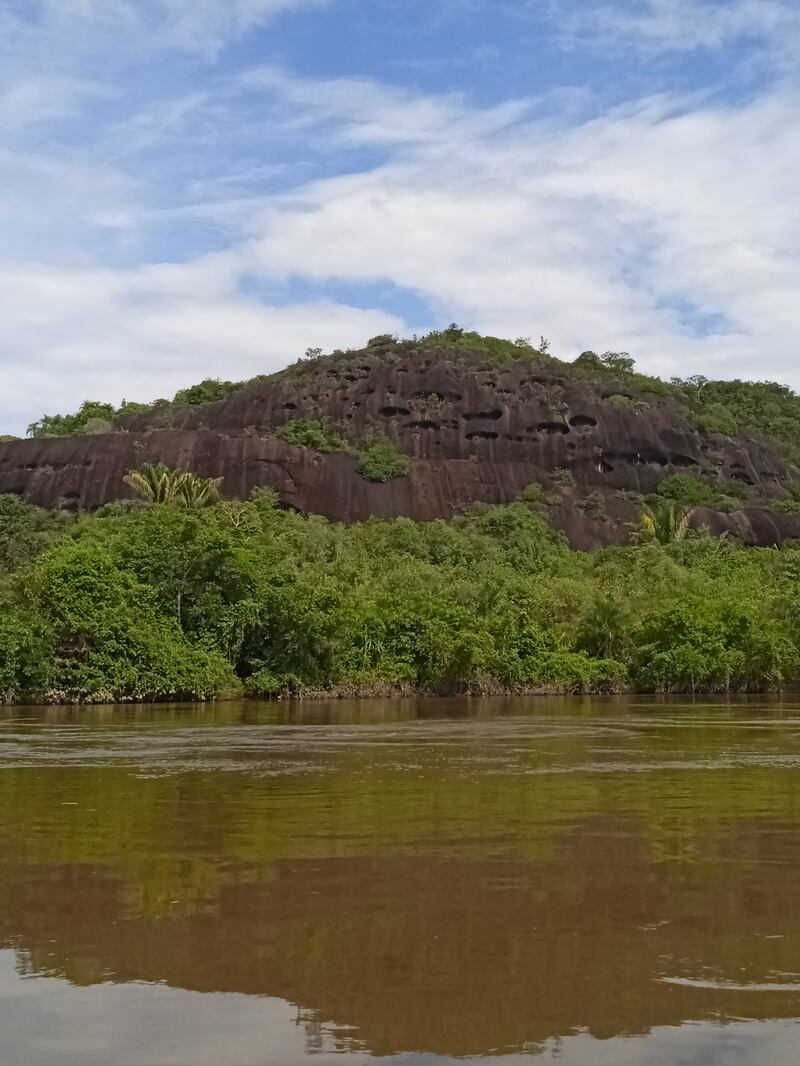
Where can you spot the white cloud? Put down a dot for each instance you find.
(669, 227)
(38, 99)
(620, 232)
(656, 26)
(69, 333)
(197, 25)
(357, 111)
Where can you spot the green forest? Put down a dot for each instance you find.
(182, 595)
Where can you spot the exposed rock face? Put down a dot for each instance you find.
(474, 434)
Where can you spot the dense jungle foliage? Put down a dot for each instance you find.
(199, 597)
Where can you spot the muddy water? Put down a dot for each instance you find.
(597, 882)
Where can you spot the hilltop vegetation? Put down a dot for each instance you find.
(764, 408)
(181, 600)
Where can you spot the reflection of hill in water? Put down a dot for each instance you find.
(448, 955)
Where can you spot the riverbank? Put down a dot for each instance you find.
(166, 602)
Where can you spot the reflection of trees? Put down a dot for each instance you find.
(449, 891)
(455, 956)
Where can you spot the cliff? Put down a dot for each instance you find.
(474, 431)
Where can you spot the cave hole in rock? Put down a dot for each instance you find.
(683, 461)
(603, 466)
(402, 369)
(483, 416)
(553, 428)
(482, 434)
(394, 412)
(423, 423)
(616, 394)
(644, 457)
(743, 476)
(583, 422)
(290, 406)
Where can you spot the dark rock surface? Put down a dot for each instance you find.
(474, 434)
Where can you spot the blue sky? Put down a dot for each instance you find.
(209, 187)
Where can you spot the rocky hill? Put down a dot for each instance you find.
(478, 422)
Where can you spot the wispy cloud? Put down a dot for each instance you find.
(196, 25)
(680, 26)
(167, 216)
(601, 233)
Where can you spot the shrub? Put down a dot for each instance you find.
(110, 639)
(604, 630)
(687, 489)
(714, 648)
(593, 504)
(533, 493)
(26, 653)
(206, 391)
(717, 418)
(562, 478)
(97, 426)
(25, 530)
(311, 433)
(382, 462)
(692, 491)
(791, 503)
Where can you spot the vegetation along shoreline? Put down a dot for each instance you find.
(538, 574)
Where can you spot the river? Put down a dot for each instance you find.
(605, 882)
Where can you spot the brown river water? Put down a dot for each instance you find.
(604, 882)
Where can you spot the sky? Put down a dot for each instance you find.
(194, 188)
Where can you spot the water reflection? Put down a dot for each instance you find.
(476, 879)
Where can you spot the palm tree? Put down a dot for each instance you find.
(665, 521)
(199, 491)
(155, 482)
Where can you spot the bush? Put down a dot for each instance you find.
(382, 461)
(207, 391)
(311, 433)
(110, 639)
(25, 530)
(716, 418)
(687, 648)
(687, 489)
(533, 493)
(692, 491)
(604, 630)
(26, 653)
